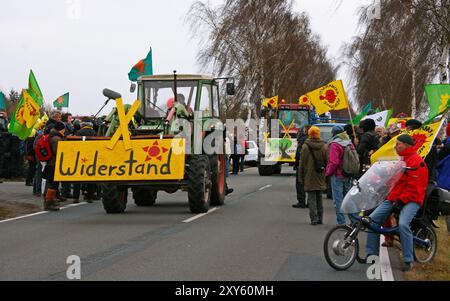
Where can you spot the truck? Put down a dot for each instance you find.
(151, 150)
(278, 147)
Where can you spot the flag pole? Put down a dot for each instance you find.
(349, 112)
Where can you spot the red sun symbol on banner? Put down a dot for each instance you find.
(305, 100)
(419, 140)
(60, 100)
(329, 96)
(155, 151)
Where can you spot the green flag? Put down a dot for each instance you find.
(34, 90)
(438, 98)
(363, 114)
(143, 67)
(62, 101)
(17, 125)
(2, 101)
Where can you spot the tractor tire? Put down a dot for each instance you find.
(114, 198)
(277, 169)
(218, 189)
(265, 170)
(144, 197)
(199, 184)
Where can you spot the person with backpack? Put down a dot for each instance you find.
(312, 166)
(343, 165)
(50, 142)
(368, 144)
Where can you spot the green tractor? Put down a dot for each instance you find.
(175, 110)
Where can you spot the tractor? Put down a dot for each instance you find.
(155, 145)
(278, 147)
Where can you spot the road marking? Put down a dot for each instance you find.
(73, 205)
(21, 217)
(385, 263)
(265, 187)
(200, 215)
(40, 213)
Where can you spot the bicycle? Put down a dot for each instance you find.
(341, 245)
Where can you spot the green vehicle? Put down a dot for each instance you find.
(169, 105)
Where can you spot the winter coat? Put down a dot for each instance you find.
(53, 138)
(413, 184)
(86, 131)
(443, 166)
(369, 142)
(311, 179)
(336, 154)
(301, 139)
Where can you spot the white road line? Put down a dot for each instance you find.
(40, 213)
(200, 215)
(73, 205)
(22, 217)
(385, 263)
(265, 187)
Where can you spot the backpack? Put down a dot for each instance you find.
(319, 166)
(350, 162)
(43, 150)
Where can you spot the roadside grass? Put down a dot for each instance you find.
(13, 209)
(439, 268)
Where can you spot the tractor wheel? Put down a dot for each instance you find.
(199, 184)
(218, 189)
(265, 170)
(144, 197)
(277, 169)
(114, 198)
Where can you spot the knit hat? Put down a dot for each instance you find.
(314, 132)
(414, 124)
(337, 130)
(407, 139)
(447, 131)
(59, 126)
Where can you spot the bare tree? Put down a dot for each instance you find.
(268, 49)
(395, 56)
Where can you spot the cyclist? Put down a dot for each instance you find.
(406, 198)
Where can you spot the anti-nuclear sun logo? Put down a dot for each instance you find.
(155, 152)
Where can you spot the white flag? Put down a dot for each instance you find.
(381, 119)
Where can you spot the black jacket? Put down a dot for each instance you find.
(370, 141)
(301, 139)
(86, 131)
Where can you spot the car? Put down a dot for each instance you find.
(326, 129)
(252, 153)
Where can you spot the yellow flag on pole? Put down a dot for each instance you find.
(328, 98)
(423, 138)
(273, 102)
(31, 112)
(304, 101)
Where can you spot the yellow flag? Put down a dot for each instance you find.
(273, 102)
(304, 101)
(328, 98)
(401, 122)
(423, 138)
(31, 112)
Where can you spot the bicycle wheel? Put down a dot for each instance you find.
(340, 252)
(425, 253)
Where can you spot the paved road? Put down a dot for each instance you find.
(256, 236)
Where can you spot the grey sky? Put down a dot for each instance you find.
(84, 50)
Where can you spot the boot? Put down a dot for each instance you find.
(50, 203)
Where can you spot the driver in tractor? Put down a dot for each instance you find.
(178, 108)
(406, 198)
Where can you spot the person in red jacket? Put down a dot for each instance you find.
(406, 197)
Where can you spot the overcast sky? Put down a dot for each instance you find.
(82, 46)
